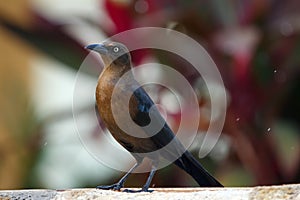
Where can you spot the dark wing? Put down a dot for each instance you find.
(173, 150)
(143, 105)
(140, 104)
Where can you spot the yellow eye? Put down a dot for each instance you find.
(116, 49)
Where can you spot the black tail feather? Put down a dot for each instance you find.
(189, 164)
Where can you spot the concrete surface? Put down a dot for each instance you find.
(264, 192)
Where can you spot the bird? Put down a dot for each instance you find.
(134, 120)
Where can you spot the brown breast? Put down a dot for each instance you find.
(105, 89)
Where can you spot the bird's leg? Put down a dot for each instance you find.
(120, 184)
(148, 182)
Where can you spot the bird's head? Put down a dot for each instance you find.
(112, 53)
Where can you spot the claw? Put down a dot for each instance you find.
(110, 187)
(136, 191)
(146, 190)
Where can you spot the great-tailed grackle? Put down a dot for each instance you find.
(142, 111)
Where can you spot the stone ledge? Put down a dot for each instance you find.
(263, 192)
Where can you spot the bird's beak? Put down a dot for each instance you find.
(100, 48)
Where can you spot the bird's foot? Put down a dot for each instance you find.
(136, 191)
(115, 186)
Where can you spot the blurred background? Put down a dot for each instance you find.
(255, 44)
